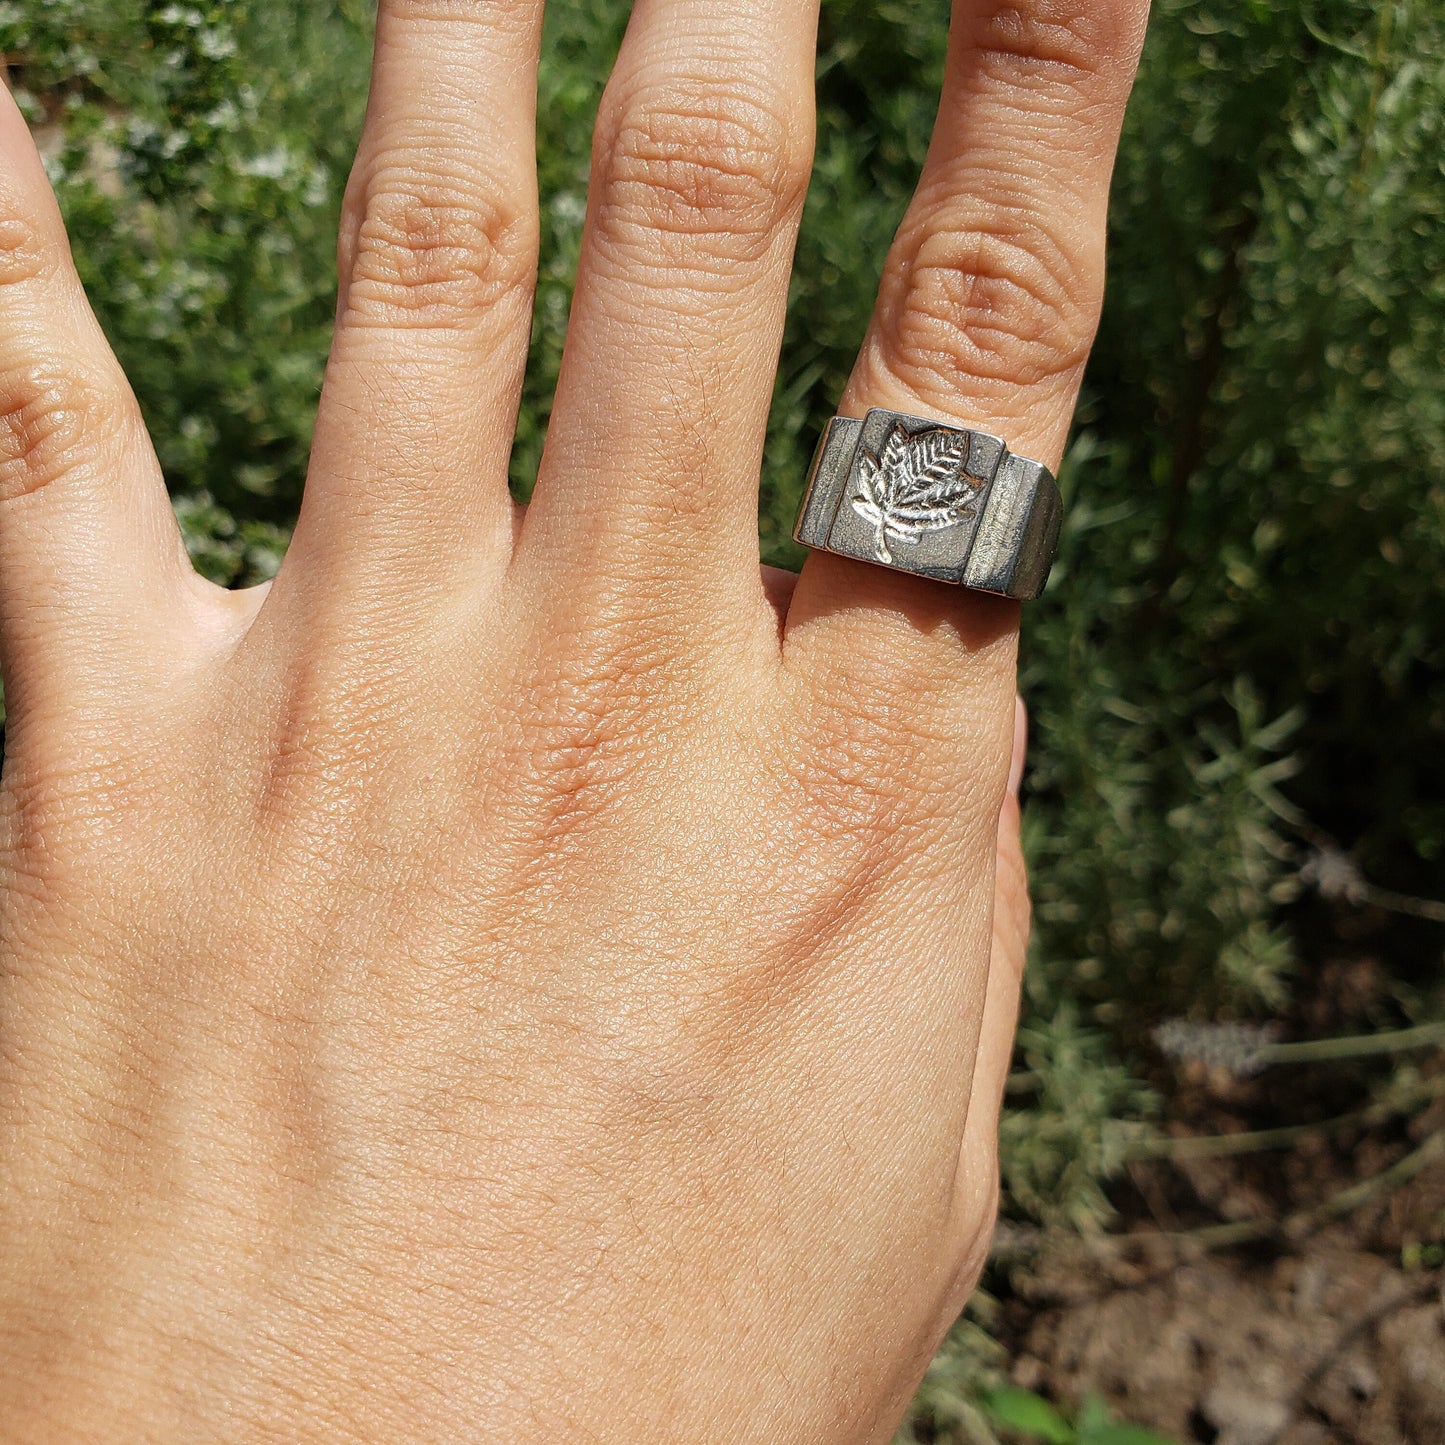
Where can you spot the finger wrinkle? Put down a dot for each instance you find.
(451, 14)
(27, 254)
(1073, 40)
(701, 163)
(52, 423)
(437, 248)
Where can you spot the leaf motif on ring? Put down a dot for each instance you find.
(917, 485)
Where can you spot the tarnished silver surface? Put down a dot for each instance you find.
(941, 501)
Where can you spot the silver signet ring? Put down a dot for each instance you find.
(941, 501)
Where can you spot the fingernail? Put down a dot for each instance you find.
(1021, 747)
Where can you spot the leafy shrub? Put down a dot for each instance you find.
(200, 150)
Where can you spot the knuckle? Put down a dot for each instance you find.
(452, 12)
(576, 758)
(572, 769)
(428, 251)
(700, 163)
(1064, 41)
(905, 757)
(50, 425)
(74, 808)
(851, 777)
(1001, 302)
(585, 749)
(26, 255)
(579, 742)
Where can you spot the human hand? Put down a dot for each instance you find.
(528, 977)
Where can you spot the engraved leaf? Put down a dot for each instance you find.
(917, 485)
(870, 476)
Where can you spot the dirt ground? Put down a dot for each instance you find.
(1276, 1271)
(1335, 1346)
(1290, 1297)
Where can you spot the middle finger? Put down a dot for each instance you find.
(703, 147)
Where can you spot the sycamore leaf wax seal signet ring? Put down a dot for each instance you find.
(938, 500)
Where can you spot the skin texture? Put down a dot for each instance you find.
(528, 977)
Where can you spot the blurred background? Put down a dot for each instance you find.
(1224, 1157)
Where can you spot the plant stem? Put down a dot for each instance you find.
(1359, 1046)
(1295, 1227)
(1215, 1146)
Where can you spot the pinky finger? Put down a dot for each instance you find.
(91, 557)
(976, 1189)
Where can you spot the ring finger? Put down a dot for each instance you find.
(985, 319)
(988, 310)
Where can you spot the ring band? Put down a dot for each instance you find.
(937, 500)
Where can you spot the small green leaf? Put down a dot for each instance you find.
(1093, 1415)
(1095, 1426)
(1120, 1435)
(1022, 1410)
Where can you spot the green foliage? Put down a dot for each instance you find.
(1084, 1110)
(1243, 633)
(1024, 1413)
(964, 1402)
(1288, 395)
(1024, 1416)
(200, 151)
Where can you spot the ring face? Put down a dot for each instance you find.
(921, 496)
